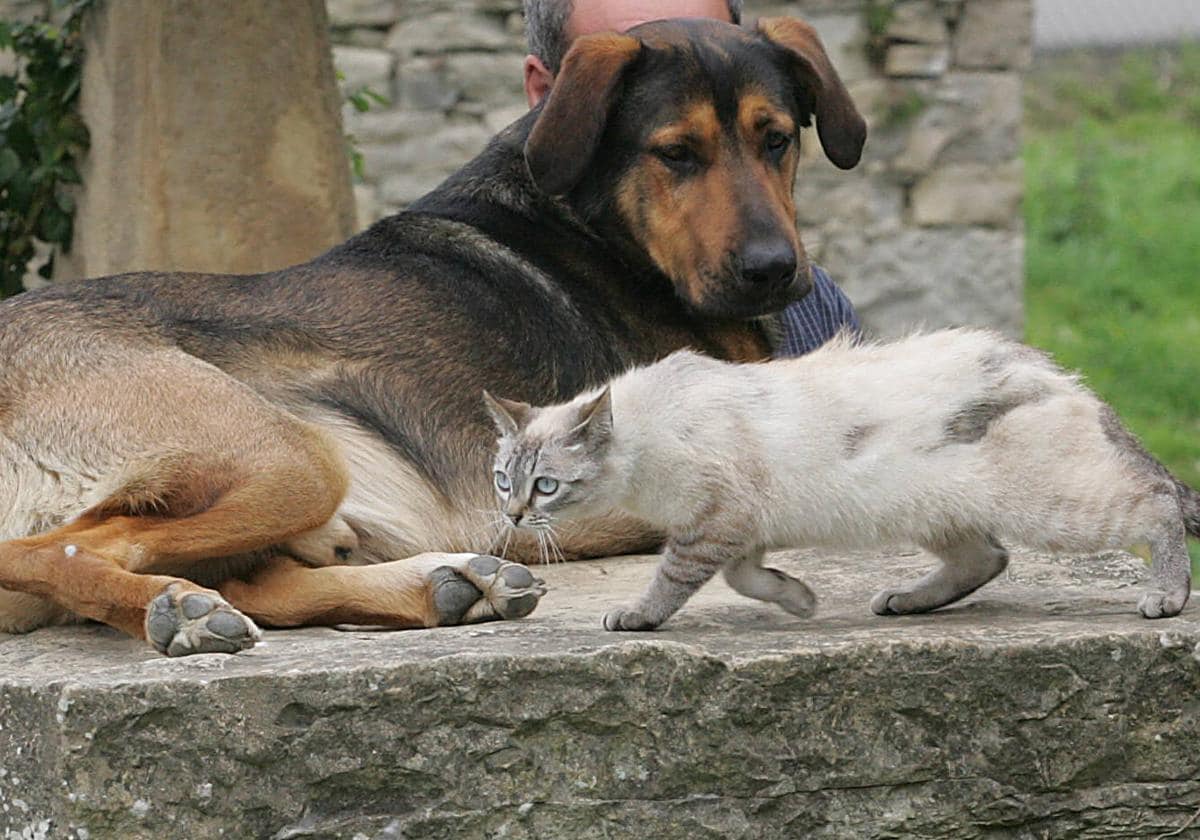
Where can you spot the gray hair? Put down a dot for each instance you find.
(546, 28)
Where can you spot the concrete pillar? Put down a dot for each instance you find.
(216, 138)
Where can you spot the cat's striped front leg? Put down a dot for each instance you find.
(688, 563)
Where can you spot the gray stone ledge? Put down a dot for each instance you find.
(1043, 706)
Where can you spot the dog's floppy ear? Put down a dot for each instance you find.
(839, 125)
(568, 129)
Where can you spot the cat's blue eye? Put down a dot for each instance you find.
(502, 482)
(545, 486)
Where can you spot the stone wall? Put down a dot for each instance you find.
(927, 230)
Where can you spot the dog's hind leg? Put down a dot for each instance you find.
(185, 467)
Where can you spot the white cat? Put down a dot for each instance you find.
(957, 441)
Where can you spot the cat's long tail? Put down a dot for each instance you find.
(1190, 499)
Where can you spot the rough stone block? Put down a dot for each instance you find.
(1042, 706)
(399, 189)
(443, 151)
(969, 194)
(361, 66)
(995, 34)
(964, 118)
(390, 126)
(501, 118)
(345, 13)
(930, 277)
(917, 60)
(472, 82)
(921, 22)
(446, 32)
(366, 203)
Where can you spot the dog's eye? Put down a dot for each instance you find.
(777, 143)
(503, 484)
(545, 486)
(677, 155)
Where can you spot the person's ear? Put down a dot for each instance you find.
(538, 80)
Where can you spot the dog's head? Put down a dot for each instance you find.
(682, 138)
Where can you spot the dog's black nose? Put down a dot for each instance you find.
(768, 262)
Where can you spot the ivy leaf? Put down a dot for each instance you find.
(54, 225)
(10, 164)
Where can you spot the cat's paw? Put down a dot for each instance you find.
(891, 602)
(796, 598)
(627, 620)
(1162, 604)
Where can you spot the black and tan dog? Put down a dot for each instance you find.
(311, 442)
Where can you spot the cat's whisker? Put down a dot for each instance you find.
(554, 547)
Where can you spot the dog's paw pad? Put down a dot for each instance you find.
(453, 595)
(510, 589)
(197, 622)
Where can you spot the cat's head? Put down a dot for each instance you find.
(551, 461)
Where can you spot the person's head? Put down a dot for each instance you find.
(551, 26)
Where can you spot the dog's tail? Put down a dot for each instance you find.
(1189, 500)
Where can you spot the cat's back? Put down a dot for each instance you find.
(924, 372)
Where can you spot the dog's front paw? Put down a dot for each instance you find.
(627, 620)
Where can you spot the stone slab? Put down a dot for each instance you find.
(1042, 706)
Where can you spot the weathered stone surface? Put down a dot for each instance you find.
(387, 126)
(399, 189)
(1043, 706)
(917, 60)
(917, 23)
(995, 34)
(965, 118)
(468, 81)
(346, 13)
(443, 151)
(931, 277)
(968, 194)
(446, 32)
(195, 164)
(500, 119)
(367, 208)
(361, 66)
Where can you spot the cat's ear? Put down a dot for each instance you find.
(508, 415)
(594, 420)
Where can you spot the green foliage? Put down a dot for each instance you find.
(903, 109)
(41, 139)
(1113, 237)
(879, 14)
(361, 99)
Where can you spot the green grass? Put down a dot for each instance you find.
(1112, 168)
